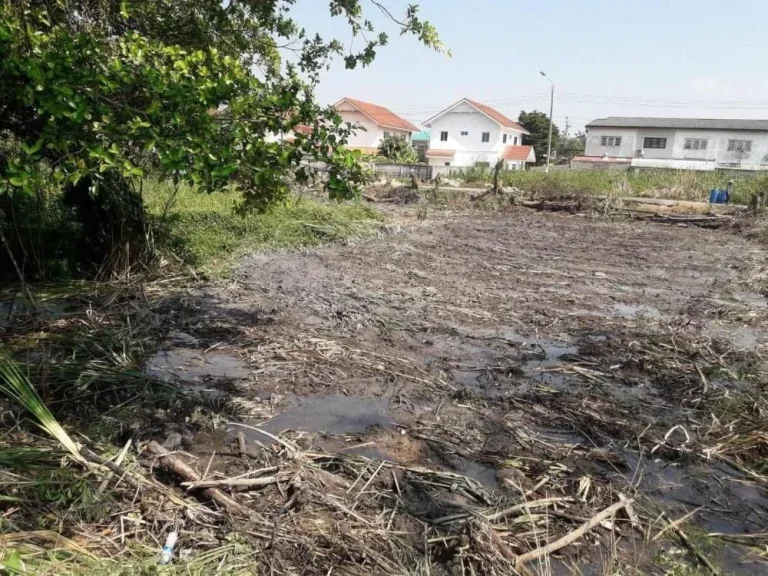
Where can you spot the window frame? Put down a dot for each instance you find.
(654, 143)
(443, 136)
(610, 141)
(696, 144)
(485, 137)
(504, 139)
(740, 146)
(465, 132)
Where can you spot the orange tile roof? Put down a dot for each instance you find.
(382, 116)
(496, 115)
(519, 153)
(303, 129)
(440, 153)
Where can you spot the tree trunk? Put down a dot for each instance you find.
(24, 286)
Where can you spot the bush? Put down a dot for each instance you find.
(398, 150)
(207, 232)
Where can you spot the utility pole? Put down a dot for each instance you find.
(564, 148)
(551, 111)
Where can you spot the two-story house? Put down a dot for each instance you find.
(468, 133)
(693, 143)
(373, 123)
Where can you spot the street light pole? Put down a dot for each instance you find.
(551, 111)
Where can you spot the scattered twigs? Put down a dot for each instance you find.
(689, 545)
(571, 536)
(114, 467)
(174, 464)
(118, 462)
(675, 524)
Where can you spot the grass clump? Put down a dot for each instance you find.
(673, 184)
(207, 232)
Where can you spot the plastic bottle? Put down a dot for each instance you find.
(166, 554)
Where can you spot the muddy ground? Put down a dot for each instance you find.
(539, 354)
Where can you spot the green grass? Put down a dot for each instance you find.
(206, 232)
(674, 184)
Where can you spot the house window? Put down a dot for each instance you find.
(654, 142)
(515, 141)
(464, 133)
(443, 136)
(739, 145)
(447, 163)
(695, 144)
(613, 141)
(486, 136)
(386, 134)
(504, 139)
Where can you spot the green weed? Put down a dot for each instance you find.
(675, 184)
(206, 232)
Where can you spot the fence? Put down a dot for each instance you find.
(422, 171)
(699, 165)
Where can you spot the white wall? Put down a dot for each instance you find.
(470, 149)
(371, 135)
(594, 147)
(717, 144)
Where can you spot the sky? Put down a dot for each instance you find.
(691, 58)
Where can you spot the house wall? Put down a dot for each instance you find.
(717, 145)
(626, 150)
(470, 149)
(371, 134)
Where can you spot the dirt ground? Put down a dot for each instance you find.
(541, 355)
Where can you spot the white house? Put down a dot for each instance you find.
(376, 122)
(690, 143)
(469, 132)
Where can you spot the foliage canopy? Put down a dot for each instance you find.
(537, 123)
(398, 150)
(190, 90)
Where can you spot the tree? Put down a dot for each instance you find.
(88, 88)
(537, 123)
(398, 150)
(572, 146)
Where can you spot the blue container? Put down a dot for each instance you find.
(717, 196)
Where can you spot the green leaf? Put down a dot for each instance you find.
(13, 563)
(16, 181)
(34, 149)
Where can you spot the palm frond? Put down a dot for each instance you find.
(15, 385)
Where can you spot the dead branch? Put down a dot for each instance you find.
(174, 464)
(572, 536)
(691, 548)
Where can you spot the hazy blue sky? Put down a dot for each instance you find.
(706, 58)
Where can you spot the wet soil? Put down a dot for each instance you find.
(564, 348)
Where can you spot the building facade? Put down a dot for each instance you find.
(372, 123)
(468, 133)
(693, 143)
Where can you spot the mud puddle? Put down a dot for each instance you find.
(728, 501)
(334, 414)
(194, 366)
(636, 311)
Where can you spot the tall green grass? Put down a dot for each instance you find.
(673, 184)
(205, 231)
(18, 388)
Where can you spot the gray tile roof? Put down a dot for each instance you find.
(680, 123)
